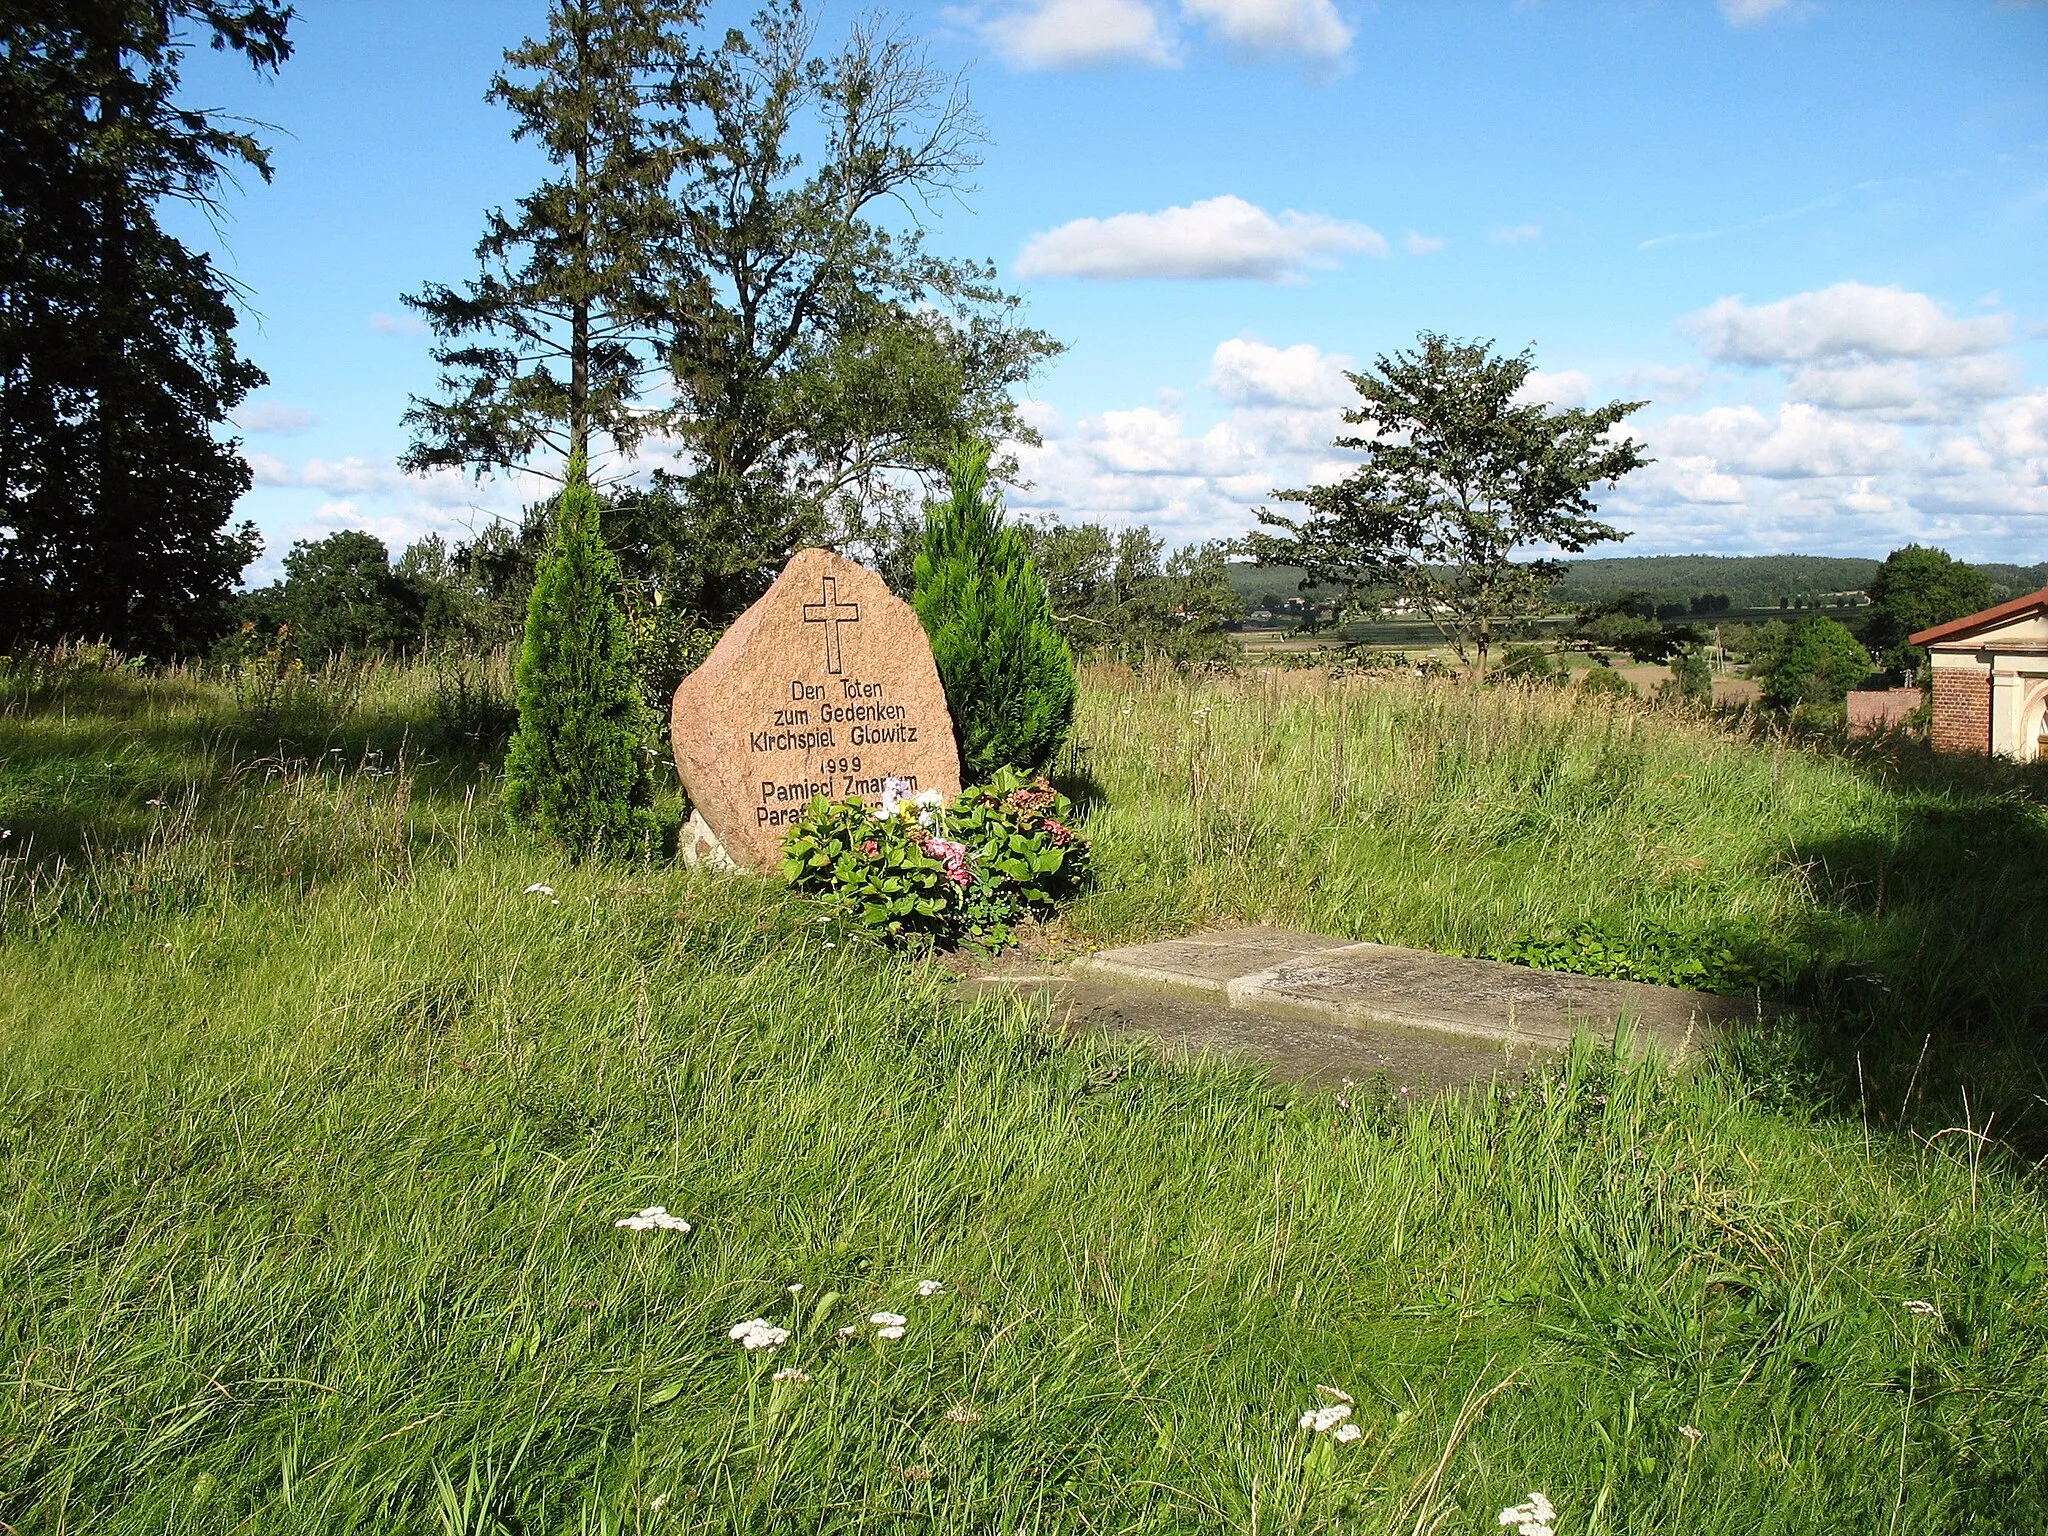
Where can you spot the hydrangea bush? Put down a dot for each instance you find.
(960, 871)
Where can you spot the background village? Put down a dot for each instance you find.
(791, 994)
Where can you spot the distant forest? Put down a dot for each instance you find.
(1747, 581)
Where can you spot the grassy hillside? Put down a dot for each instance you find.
(315, 1123)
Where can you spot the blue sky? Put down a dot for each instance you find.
(1809, 232)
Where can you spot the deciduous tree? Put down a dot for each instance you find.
(1915, 589)
(1460, 476)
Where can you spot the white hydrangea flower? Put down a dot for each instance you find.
(654, 1219)
(757, 1333)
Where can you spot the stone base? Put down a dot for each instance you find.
(701, 848)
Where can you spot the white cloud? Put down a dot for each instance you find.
(273, 419)
(1697, 479)
(1073, 34)
(1566, 387)
(1747, 13)
(398, 325)
(352, 476)
(1248, 372)
(1219, 237)
(269, 469)
(2018, 429)
(1518, 234)
(1800, 441)
(1310, 27)
(1421, 245)
(1846, 320)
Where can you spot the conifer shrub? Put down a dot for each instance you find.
(1008, 675)
(577, 770)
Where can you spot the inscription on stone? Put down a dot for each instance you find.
(826, 686)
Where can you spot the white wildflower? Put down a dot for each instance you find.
(960, 1413)
(654, 1219)
(930, 1287)
(850, 1331)
(1336, 1395)
(1323, 1420)
(537, 889)
(658, 1503)
(792, 1375)
(889, 1319)
(895, 1332)
(1694, 1435)
(1344, 1434)
(795, 1290)
(757, 1333)
(1923, 1309)
(1534, 1518)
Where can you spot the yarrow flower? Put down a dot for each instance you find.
(889, 1325)
(757, 1333)
(960, 1413)
(1534, 1518)
(654, 1219)
(930, 1287)
(1923, 1309)
(1694, 1435)
(1322, 1420)
(537, 889)
(793, 1376)
(1344, 1434)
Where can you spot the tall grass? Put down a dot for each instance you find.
(311, 1178)
(1898, 898)
(309, 1226)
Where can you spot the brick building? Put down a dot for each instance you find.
(1990, 674)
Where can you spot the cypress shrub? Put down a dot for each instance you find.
(1008, 674)
(576, 770)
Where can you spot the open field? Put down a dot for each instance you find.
(315, 1124)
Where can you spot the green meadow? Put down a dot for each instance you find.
(317, 1119)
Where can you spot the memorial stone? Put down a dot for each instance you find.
(826, 686)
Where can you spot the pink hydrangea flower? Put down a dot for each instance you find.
(951, 854)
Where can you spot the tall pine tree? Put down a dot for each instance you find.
(552, 343)
(118, 363)
(576, 769)
(1008, 675)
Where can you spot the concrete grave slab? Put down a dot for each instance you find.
(1277, 971)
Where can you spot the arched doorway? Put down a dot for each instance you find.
(2033, 742)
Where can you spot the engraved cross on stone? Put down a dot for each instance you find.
(831, 613)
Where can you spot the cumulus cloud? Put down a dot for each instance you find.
(1566, 387)
(1846, 320)
(273, 420)
(1309, 27)
(1248, 372)
(269, 469)
(1219, 237)
(1421, 245)
(1517, 234)
(1153, 464)
(1079, 34)
(1798, 441)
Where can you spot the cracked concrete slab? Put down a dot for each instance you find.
(1281, 972)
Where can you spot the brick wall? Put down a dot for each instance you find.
(1880, 709)
(1962, 710)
